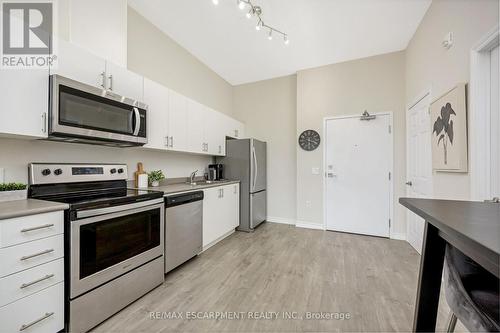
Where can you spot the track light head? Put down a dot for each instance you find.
(215, 2)
(270, 36)
(257, 27)
(286, 40)
(241, 4)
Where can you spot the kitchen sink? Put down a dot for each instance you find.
(206, 182)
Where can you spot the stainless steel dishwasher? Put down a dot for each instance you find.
(183, 228)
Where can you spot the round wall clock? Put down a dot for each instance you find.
(309, 140)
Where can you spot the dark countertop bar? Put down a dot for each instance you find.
(17, 208)
(477, 221)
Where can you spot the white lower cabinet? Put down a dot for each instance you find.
(32, 273)
(42, 312)
(220, 213)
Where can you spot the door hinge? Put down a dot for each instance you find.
(389, 223)
(390, 129)
(390, 176)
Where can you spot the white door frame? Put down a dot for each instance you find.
(479, 116)
(392, 235)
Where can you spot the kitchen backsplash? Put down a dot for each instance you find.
(15, 155)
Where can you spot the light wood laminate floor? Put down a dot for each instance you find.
(281, 268)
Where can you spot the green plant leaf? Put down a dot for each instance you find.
(12, 187)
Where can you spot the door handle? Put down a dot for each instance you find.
(137, 121)
(409, 183)
(256, 168)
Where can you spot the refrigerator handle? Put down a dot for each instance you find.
(256, 165)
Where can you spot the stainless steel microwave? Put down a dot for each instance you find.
(86, 114)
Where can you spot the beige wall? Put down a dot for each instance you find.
(375, 84)
(268, 109)
(156, 56)
(429, 65)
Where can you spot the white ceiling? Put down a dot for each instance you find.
(321, 32)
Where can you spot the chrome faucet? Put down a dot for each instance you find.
(191, 177)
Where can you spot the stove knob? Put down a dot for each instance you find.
(57, 172)
(46, 172)
(120, 170)
(113, 171)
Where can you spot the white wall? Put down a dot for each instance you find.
(268, 109)
(375, 84)
(87, 19)
(159, 58)
(428, 64)
(17, 154)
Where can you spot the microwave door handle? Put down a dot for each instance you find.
(137, 121)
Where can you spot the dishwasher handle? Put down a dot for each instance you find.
(182, 199)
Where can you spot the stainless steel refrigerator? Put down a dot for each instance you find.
(245, 160)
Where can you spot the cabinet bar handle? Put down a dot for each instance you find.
(25, 326)
(171, 142)
(38, 228)
(44, 122)
(103, 80)
(110, 77)
(37, 254)
(46, 277)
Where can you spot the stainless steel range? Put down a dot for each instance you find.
(114, 237)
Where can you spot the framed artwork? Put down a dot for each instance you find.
(449, 131)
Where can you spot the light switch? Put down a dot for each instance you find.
(315, 171)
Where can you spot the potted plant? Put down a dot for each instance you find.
(13, 191)
(155, 177)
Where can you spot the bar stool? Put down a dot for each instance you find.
(471, 292)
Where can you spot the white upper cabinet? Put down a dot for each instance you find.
(124, 82)
(215, 138)
(196, 127)
(80, 65)
(177, 122)
(233, 128)
(156, 97)
(24, 103)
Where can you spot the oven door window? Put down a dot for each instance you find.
(84, 110)
(109, 242)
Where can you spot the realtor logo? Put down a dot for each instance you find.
(27, 30)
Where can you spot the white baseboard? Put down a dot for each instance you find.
(309, 225)
(281, 220)
(398, 236)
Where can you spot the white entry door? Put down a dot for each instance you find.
(358, 182)
(419, 166)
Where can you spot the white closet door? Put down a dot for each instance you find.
(495, 125)
(358, 188)
(419, 166)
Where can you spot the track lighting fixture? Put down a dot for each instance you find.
(257, 27)
(257, 12)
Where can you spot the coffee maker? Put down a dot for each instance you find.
(216, 172)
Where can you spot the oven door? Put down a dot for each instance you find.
(106, 246)
(80, 111)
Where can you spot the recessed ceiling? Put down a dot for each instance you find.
(321, 32)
